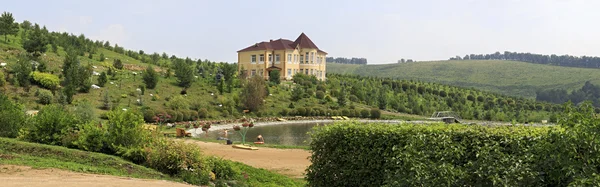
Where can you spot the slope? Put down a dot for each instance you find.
(504, 77)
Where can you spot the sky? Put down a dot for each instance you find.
(383, 31)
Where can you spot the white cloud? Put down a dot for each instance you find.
(114, 33)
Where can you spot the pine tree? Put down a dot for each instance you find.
(102, 79)
(150, 77)
(8, 25)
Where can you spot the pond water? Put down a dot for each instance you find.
(283, 134)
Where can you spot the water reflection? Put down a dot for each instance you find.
(286, 134)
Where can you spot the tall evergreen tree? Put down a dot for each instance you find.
(184, 73)
(8, 25)
(150, 77)
(36, 42)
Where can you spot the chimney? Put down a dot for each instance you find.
(271, 40)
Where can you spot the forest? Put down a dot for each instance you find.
(557, 60)
(588, 92)
(342, 60)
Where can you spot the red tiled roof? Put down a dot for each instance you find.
(303, 41)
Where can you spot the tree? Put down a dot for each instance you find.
(101, 57)
(150, 77)
(8, 25)
(118, 64)
(36, 42)
(12, 115)
(274, 77)
(102, 79)
(155, 58)
(22, 70)
(184, 73)
(254, 92)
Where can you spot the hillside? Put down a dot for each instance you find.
(504, 77)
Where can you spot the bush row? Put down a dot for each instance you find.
(354, 154)
(45, 80)
(357, 113)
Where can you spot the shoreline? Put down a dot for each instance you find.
(229, 126)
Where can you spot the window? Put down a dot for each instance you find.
(253, 72)
(261, 73)
(306, 59)
(277, 59)
(261, 58)
(301, 59)
(312, 71)
(289, 74)
(253, 59)
(301, 70)
(270, 58)
(306, 71)
(289, 59)
(311, 57)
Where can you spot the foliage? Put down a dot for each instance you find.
(274, 77)
(125, 130)
(184, 73)
(150, 77)
(117, 63)
(2, 79)
(254, 92)
(23, 70)
(44, 96)
(92, 138)
(178, 102)
(341, 60)
(36, 42)
(375, 113)
(13, 117)
(45, 80)
(51, 125)
(84, 111)
(178, 158)
(8, 25)
(562, 60)
(102, 79)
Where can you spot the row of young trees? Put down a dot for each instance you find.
(558, 60)
(342, 60)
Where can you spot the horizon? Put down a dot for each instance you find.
(375, 31)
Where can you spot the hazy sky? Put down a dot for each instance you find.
(381, 31)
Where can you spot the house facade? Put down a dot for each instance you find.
(289, 57)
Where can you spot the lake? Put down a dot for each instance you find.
(283, 134)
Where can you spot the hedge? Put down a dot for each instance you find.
(45, 80)
(355, 154)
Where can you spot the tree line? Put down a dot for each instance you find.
(553, 59)
(342, 60)
(588, 92)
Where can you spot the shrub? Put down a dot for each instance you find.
(45, 80)
(150, 77)
(203, 113)
(284, 112)
(118, 64)
(178, 158)
(149, 114)
(2, 80)
(301, 111)
(364, 113)
(178, 102)
(424, 155)
(44, 96)
(125, 130)
(223, 169)
(12, 116)
(51, 125)
(375, 113)
(92, 138)
(320, 94)
(84, 111)
(353, 98)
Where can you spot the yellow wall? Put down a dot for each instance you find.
(244, 62)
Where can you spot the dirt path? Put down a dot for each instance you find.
(12, 175)
(289, 162)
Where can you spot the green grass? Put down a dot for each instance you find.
(45, 156)
(504, 77)
(265, 178)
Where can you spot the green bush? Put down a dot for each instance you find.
(203, 113)
(375, 113)
(176, 158)
(45, 80)
(178, 103)
(51, 125)
(125, 131)
(2, 80)
(12, 117)
(91, 138)
(222, 169)
(320, 94)
(44, 96)
(424, 155)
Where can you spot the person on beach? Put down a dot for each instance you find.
(260, 138)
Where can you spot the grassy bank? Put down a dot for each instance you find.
(45, 156)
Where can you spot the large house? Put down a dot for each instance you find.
(288, 57)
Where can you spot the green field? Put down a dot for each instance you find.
(504, 77)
